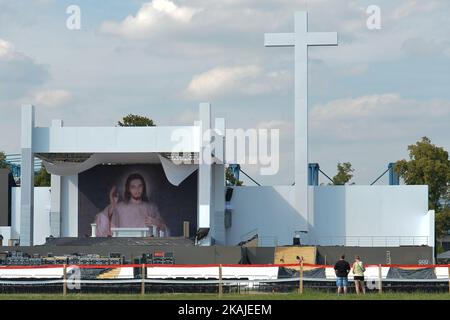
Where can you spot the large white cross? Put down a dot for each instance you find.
(301, 39)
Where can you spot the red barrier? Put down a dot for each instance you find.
(317, 266)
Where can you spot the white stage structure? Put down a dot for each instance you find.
(68, 151)
(322, 215)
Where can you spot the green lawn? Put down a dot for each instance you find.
(311, 295)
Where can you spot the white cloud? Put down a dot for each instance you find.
(276, 124)
(43, 2)
(378, 117)
(236, 24)
(247, 80)
(18, 72)
(275, 81)
(371, 131)
(401, 21)
(220, 80)
(411, 7)
(148, 17)
(358, 69)
(425, 47)
(7, 50)
(183, 14)
(186, 118)
(52, 98)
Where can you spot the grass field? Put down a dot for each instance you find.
(311, 295)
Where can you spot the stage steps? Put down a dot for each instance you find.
(288, 255)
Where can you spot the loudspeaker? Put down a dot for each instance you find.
(296, 241)
(137, 270)
(169, 258)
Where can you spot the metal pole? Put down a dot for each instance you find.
(326, 175)
(143, 279)
(220, 281)
(300, 288)
(249, 177)
(380, 279)
(379, 177)
(65, 280)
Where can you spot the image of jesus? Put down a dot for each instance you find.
(135, 211)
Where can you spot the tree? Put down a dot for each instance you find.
(42, 179)
(230, 178)
(344, 174)
(442, 221)
(133, 120)
(3, 163)
(429, 165)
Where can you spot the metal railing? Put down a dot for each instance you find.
(371, 241)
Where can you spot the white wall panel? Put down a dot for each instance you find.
(340, 215)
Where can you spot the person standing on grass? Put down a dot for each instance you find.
(342, 269)
(358, 271)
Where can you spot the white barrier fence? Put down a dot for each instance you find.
(247, 277)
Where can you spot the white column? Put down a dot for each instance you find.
(431, 232)
(55, 202)
(205, 172)
(27, 177)
(69, 207)
(301, 116)
(218, 223)
(218, 183)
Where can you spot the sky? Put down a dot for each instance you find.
(370, 97)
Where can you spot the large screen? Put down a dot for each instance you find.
(135, 196)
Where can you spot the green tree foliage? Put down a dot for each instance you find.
(442, 220)
(230, 179)
(133, 120)
(344, 174)
(42, 179)
(3, 163)
(429, 165)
